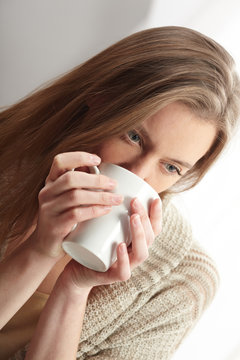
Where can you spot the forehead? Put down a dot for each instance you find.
(175, 131)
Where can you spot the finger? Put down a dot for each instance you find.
(120, 270)
(69, 218)
(139, 209)
(67, 161)
(156, 216)
(123, 265)
(139, 251)
(77, 180)
(75, 198)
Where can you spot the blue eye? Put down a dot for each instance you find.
(172, 169)
(134, 137)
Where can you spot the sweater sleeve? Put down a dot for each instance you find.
(161, 324)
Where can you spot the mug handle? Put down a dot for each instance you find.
(94, 170)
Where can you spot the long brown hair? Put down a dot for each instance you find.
(134, 78)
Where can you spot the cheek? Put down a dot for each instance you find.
(163, 183)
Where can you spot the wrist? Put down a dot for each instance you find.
(33, 243)
(66, 284)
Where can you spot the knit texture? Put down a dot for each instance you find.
(148, 316)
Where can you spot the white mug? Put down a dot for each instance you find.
(94, 242)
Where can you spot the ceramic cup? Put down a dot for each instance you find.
(93, 243)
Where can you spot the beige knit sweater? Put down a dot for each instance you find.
(147, 317)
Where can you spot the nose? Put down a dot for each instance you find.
(143, 167)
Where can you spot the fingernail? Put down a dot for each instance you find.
(159, 205)
(123, 248)
(116, 199)
(95, 159)
(112, 183)
(136, 220)
(107, 208)
(136, 204)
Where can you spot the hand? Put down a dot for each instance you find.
(65, 200)
(144, 229)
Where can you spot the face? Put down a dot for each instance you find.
(163, 148)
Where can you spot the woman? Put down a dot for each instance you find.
(162, 103)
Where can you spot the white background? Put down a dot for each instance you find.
(42, 39)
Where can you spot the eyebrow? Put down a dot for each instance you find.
(149, 140)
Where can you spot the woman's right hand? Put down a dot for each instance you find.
(65, 200)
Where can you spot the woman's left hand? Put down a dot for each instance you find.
(144, 229)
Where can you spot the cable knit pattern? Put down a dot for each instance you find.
(148, 316)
